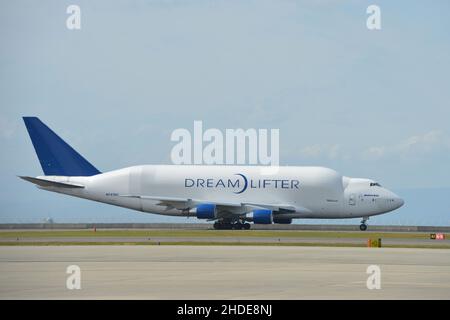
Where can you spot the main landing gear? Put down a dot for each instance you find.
(229, 225)
(363, 225)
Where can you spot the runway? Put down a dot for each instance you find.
(222, 272)
(230, 237)
(230, 240)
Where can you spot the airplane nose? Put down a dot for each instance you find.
(394, 201)
(399, 202)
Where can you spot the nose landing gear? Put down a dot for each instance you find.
(363, 225)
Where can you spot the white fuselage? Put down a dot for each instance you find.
(314, 192)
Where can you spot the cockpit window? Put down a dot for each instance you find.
(375, 184)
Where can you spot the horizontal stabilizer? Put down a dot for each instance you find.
(48, 183)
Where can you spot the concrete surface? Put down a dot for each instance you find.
(222, 272)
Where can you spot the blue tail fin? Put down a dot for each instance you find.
(57, 158)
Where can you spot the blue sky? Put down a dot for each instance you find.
(366, 103)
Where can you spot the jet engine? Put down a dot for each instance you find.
(206, 211)
(262, 216)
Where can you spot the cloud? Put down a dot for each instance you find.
(417, 145)
(375, 151)
(319, 150)
(423, 142)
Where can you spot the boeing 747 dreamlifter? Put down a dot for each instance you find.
(231, 196)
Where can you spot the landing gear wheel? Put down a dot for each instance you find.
(363, 227)
(220, 225)
(237, 226)
(231, 226)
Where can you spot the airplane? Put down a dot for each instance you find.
(231, 196)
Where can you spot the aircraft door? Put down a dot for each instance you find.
(352, 199)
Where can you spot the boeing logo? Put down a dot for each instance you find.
(241, 183)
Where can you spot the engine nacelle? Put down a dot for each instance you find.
(282, 220)
(262, 216)
(206, 211)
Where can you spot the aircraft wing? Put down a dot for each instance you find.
(273, 207)
(238, 208)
